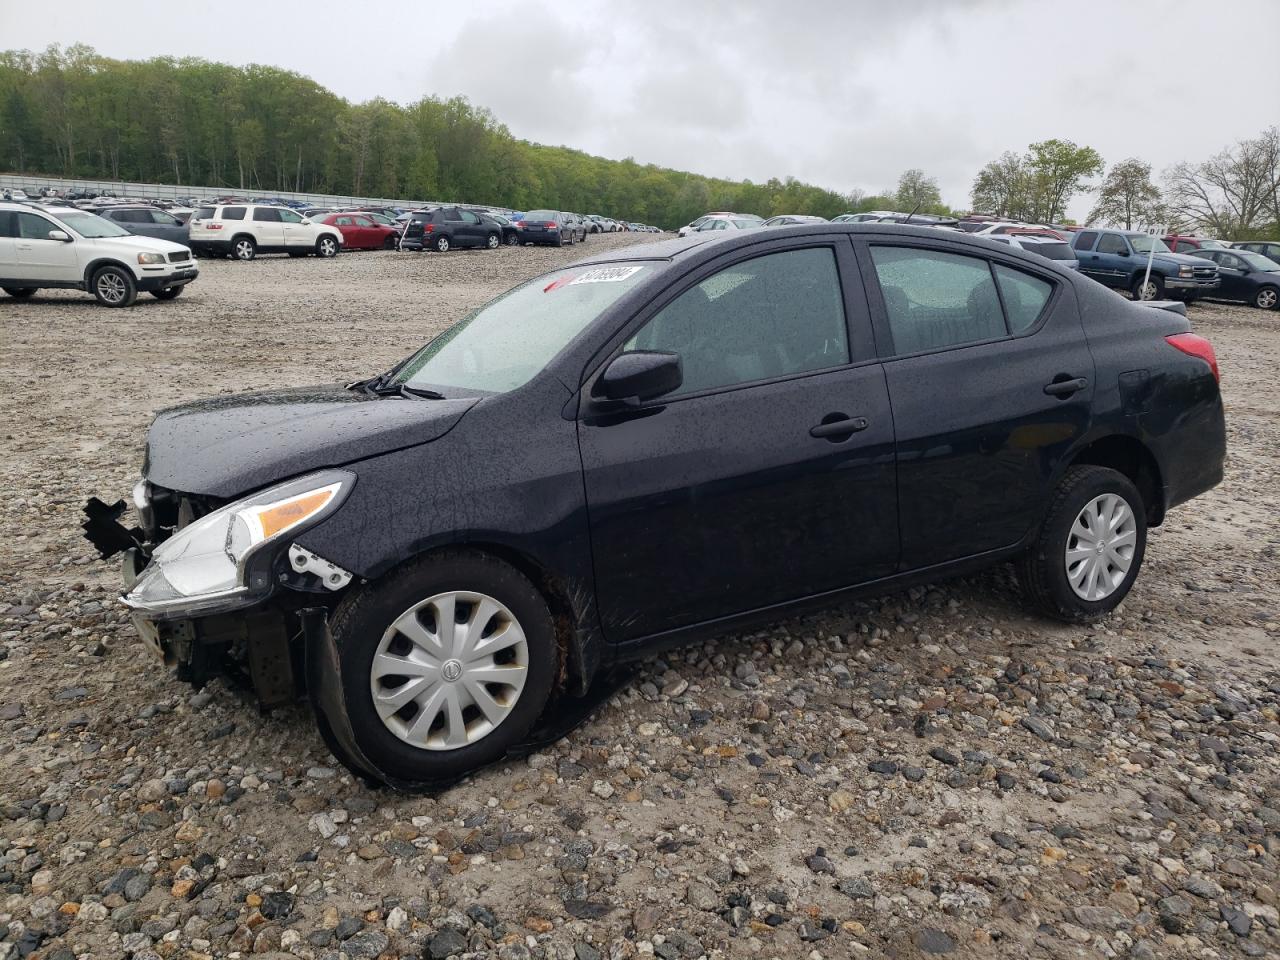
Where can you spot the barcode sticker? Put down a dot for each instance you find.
(606, 275)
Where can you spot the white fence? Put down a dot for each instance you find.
(165, 191)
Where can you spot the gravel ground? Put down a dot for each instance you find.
(931, 773)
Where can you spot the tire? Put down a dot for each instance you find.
(114, 286)
(326, 247)
(559, 241)
(363, 631)
(168, 293)
(512, 241)
(1044, 571)
(1155, 287)
(1265, 299)
(20, 293)
(493, 241)
(390, 242)
(244, 249)
(441, 244)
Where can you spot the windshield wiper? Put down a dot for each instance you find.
(421, 393)
(380, 386)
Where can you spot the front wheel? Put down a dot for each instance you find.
(1266, 298)
(1090, 546)
(446, 664)
(168, 293)
(326, 247)
(114, 287)
(492, 241)
(1150, 288)
(19, 293)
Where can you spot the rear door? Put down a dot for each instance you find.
(991, 383)
(268, 229)
(719, 498)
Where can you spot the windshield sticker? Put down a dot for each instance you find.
(606, 275)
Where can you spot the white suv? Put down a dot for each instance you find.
(50, 246)
(243, 230)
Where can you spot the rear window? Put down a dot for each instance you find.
(203, 213)
(541, 215)
(1086, 240)
(1054, 251)
(232, 213)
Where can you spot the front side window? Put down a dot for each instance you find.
(1112, 243)
(165, 219)
(935, 299)
(773, 316)
(288, 216)
(266, 215)
(509, 340)
(31, 227)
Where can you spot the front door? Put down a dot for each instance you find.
(1234, 283)
(297, 235)
(991, 382)
(40, 258)
(736, 492)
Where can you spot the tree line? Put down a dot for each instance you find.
(75, 113)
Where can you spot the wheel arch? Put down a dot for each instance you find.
(1128, 455)
(98, 263)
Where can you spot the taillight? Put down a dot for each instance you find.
(551, 224)
(212, 226)
(1196, 346)
(520, 224)
(428, 228)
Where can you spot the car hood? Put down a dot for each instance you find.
(228, 446)
(1180, 259)
(142, 244)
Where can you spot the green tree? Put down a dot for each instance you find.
(1058, 170)
(1127, 196)
(916, 191)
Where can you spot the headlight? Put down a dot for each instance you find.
(1186, 271)
(213, 563)
(151, 258)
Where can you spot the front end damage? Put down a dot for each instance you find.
(258, 638)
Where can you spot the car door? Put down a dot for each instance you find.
(1235, 283)
(268, 229)
(767, 476)
(8, 246)
(168, 227)
(1111, 260)
(367, 234)
(473, 228)
(138, 222)
(1083, 245)
(991, 382)
(38, 257)
(297, 235)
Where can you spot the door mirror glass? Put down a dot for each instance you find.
(640, 375)
(60, 235)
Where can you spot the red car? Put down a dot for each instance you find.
(360, 232)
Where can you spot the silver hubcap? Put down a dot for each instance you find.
(442, 244)
(493, 242)
(1100, 547)
(449, 670)
(1147, 291)
(326, 247)
(1267, 299)
(111, 287)
(244, 250)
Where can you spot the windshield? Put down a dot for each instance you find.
(90, 225)
(1257, 261)
(1142, 243)
(506, 342)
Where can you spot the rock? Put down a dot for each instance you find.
(930, 940)
(700, 897)
(1038, 727)
(859, 888)
(447, 942)
(943, 755)
(277, 905)
(602, 789)
(819, 863)
(153, 790)
(1237, 920)
(366, 945)
(1175, 913)
(840, 800)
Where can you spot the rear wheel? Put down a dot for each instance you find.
(441, 244)
(1266, 298)
(20, 293)
(512, 240)
(326, 247)
(1151, 288)
(446, 664)
(1090, 546)
(243, 248)
(168, 293)
(114, 287)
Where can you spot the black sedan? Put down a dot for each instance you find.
(660, 444)
(550, 227)
(1245, 276)
(510, 232)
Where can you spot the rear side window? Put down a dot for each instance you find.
(232, 213)
(1024, 297)
(1086, 240)
(1111, 243)
(936, 299)
(774, 316)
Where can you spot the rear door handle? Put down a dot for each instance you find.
(1065, 388)
(836, 428)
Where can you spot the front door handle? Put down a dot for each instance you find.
(1065, 388)
(845, 426)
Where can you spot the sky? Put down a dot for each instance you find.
(845, 94)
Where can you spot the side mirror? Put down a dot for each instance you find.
(306, 222)
(639, 375)
(61, 235)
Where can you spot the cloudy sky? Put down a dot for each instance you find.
(842, 93)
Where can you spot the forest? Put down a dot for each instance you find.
(74, 113)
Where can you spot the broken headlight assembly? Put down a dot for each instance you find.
(223, 560)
